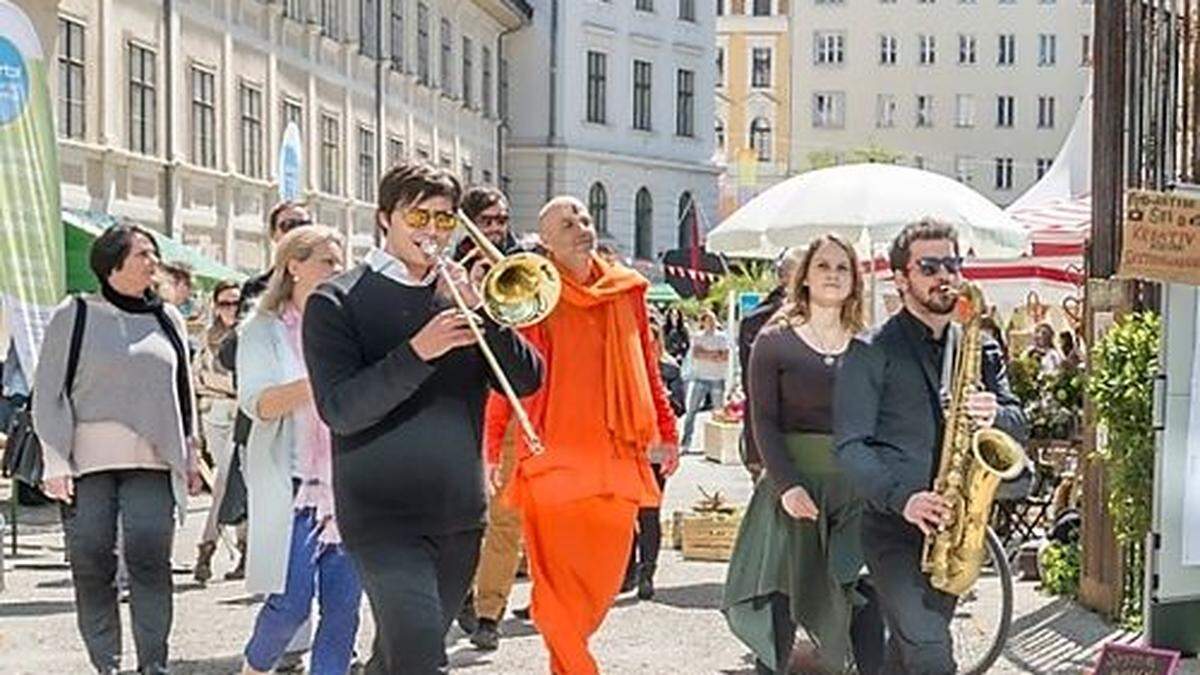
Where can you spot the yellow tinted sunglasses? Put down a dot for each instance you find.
(419, 219)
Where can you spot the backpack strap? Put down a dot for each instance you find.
(76, 343)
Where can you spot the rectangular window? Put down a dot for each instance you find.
(70, 79)
(468, 72)
(889, 48)
(1047, 50)
(964, 111)
(423, 73)
(967, 52)
(204, 118)
(644, 5)
(928, 50)
(502, 95)
(294, 9)
(1007, 55)
(720, 7)
(964, 169)
(366, 164)
(829, 48)
(720, 66)
(1004, 173)
(330, 25)
(250, 108)
(143, 100)
(924, 110)
(485, 55)
(1043, 165)
(885, 111)
(1006, 112)
(597, 87)
(762, 8)
(687, 10)
(760, 74)
(829, 110)
(642, 74)
(1045, 112)
(1085, 58)
(330, 142)
(292, 112)
(446, 79)
(396, 34)
(395, 151)
(685, 103)
(368, 31)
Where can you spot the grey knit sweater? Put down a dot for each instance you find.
(125, 375)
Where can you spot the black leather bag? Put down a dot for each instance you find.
(23, 451)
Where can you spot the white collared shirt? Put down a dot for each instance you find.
(386, 264)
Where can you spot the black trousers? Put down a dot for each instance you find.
(416, 585)
(866, 633)
(648, 538)
(918, 616)
(146, 507)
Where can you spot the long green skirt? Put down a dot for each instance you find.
(814, 563)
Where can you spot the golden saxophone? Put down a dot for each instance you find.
(974, 461)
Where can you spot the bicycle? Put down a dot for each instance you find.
(983, 618)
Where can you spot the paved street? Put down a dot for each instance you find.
(681, 631)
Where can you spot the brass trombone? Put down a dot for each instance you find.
(519, 290)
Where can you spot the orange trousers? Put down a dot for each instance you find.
(577, 556)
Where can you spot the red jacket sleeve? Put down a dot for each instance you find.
(658, 391)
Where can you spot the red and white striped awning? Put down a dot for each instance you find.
(1058, 228)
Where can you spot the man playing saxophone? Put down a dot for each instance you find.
(888, 427)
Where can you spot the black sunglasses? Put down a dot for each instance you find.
(929, 265)
(290, 224)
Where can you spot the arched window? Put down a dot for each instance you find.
(598, 207)
(720, 133)
(643, 223)
(687, 212)
(760, 138)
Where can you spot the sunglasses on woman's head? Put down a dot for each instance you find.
(929, 265)
(419, 219)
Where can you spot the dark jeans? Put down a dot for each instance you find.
(416, 585)
(144, 503)
(648, 539)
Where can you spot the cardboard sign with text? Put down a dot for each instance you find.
(1162, 237)
(1116, 659)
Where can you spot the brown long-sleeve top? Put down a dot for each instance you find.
(791, 391)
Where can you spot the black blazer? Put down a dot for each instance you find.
(887, 416)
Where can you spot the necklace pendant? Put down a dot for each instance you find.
(830, 359)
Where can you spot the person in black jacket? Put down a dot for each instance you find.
(888, 427)
(749, 328)
(400, 381)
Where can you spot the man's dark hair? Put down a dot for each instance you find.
(926, 229)
(481, 198)
(277, 211)
(410, 182)
(112, 247)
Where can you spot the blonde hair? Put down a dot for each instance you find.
(797, 306)
(298, 245)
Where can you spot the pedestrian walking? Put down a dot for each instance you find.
(675, 330)
(708, 361)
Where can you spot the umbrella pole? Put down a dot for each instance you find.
(871, 268)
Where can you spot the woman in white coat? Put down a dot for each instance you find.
(294, 544)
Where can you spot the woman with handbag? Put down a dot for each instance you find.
(117, 444)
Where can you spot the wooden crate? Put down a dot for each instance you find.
(708, 536)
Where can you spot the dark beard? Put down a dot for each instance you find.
(939, 304)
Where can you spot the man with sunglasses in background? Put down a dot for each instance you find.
(888, 426)
(283, 218)
(487, 207)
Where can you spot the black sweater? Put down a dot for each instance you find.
(406, 433)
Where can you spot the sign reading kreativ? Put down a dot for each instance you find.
(1161, 238)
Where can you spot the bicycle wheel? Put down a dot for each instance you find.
(983, 617)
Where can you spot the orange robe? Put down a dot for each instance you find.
(601, 406)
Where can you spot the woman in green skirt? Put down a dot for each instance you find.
(797, 559)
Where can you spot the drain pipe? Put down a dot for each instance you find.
(169, 127)
(552, 134)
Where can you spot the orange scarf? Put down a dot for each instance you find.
(629, 408)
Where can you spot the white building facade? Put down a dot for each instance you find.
(981, 90)
(176, 121)
(614, 105)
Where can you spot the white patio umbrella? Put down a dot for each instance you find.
(868, 204)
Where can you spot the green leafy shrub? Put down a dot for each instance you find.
(1060, 568)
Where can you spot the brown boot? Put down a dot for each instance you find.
(238, 573)
(204, 554)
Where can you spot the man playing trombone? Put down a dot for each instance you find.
(400, 378)
(603, 410)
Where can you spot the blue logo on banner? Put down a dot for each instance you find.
(14, 82)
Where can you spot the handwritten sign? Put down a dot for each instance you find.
(1161, 237)
(1118, 659)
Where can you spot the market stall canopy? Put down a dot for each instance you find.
(82, 228)
(868, 204)
(662, 293)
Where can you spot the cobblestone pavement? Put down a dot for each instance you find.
(681, 631)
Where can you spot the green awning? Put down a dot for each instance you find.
(662, 293)
(82, 228)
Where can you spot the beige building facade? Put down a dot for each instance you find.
(176, 120)
(753, 97)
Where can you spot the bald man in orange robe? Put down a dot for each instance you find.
(601, 409)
